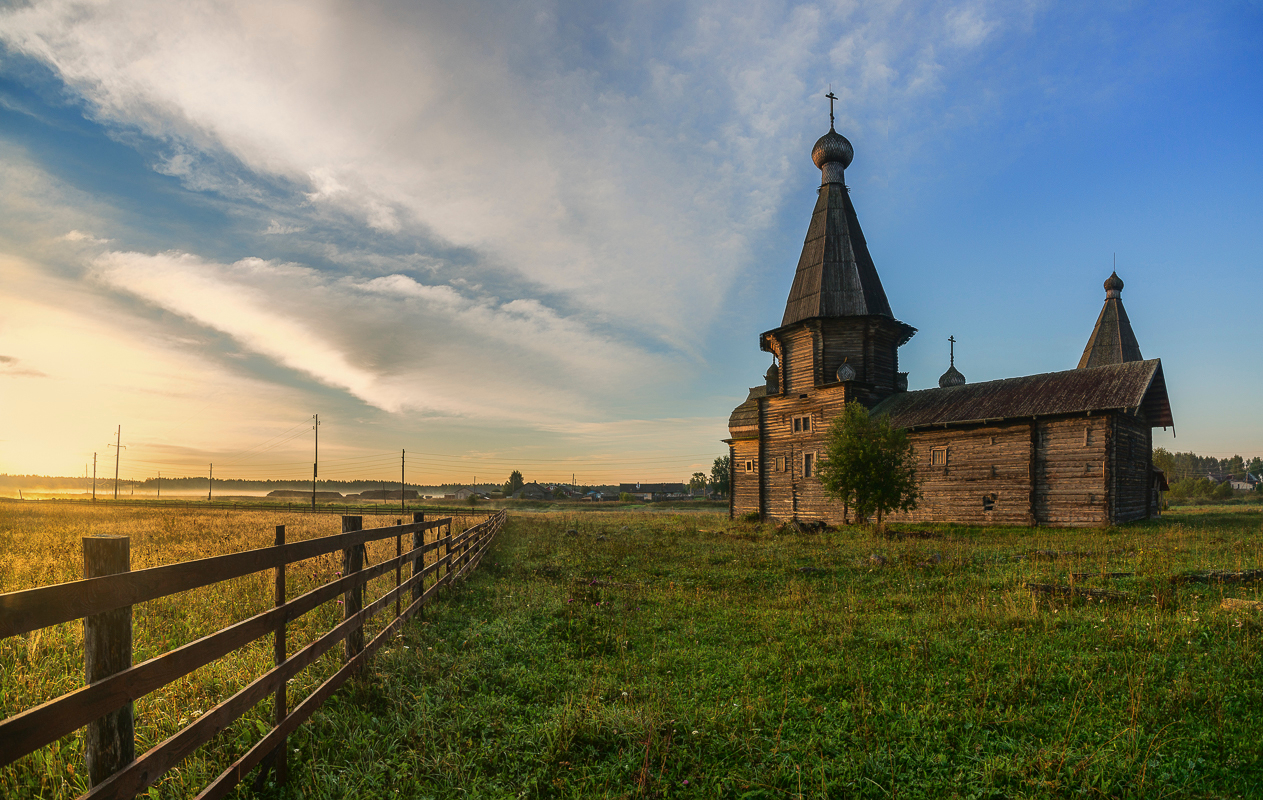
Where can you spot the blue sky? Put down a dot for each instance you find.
(547, 235)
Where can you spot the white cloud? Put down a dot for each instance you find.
(80, 236)
(391, 341)
(275, 228)
(485, 127)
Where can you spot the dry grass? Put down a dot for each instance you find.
(42, 544)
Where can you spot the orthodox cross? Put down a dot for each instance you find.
(952, 339)
(831, 97)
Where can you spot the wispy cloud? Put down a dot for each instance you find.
(11, 367)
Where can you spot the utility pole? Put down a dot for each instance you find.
(94, 477)
(118, 448)
(315, 462)
(210, 483)
(403, 483)
(159, 484)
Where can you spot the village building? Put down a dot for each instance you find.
(1071, 448)
(650, 492)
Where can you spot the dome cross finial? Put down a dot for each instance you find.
(831, 97)
(952, 340)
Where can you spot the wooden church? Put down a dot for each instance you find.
(1070, 448)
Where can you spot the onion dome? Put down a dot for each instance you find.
(832, 148)
(1113, 286)
(951, 378)
(772, 379)
(846, 372)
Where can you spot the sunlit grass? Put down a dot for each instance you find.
(624, 655)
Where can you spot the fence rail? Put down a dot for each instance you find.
(104, 602)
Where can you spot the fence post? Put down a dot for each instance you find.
(280, 704)
(110, 742)
(353, 599)
(398, 564)
(418, 563)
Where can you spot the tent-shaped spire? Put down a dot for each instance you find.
(836, 276)
(1112, 340)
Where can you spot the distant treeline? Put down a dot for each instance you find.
(1179, 466)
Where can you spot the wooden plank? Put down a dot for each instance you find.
(31, 609)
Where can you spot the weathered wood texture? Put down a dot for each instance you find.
(27, 731)
(1054, 472)
(109, 742)
(353, 559)
(1132, 466)
(745, 485)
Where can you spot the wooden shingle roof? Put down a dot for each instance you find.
(835, 276)
(1130, 385)
(743, 423)
(1112, 340)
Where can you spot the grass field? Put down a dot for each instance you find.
(636, 655)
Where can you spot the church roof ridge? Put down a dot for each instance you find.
(1133, 384)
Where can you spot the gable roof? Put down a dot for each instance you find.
(835, 276)
(1130, 385)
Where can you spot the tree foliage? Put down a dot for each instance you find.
(868, 464)
(721, 475)
(514, 484)
(697, 483)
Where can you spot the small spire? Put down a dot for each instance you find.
(952, 377)
(1112, 340)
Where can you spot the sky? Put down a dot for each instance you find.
(546, 235)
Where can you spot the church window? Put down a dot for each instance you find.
(780, 463)
(749, 466)
(938, 457)
(802, 424)
(809, 464)
(988, 502)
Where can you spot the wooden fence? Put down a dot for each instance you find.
(104, 600)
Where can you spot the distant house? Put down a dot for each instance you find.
(464, 493)
(1245, 484)
(387, 494)
(655, 491)
(532, 491)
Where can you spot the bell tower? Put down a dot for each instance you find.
(837, 327)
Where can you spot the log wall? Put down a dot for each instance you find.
(745, 485)
(988, 465)
(1132, 459)
(1071, 471)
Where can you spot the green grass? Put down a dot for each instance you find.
(691, 656)
(625, 654)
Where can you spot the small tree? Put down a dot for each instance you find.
(514, 484)
(868, 464)
(697, 483)
(720, 475)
